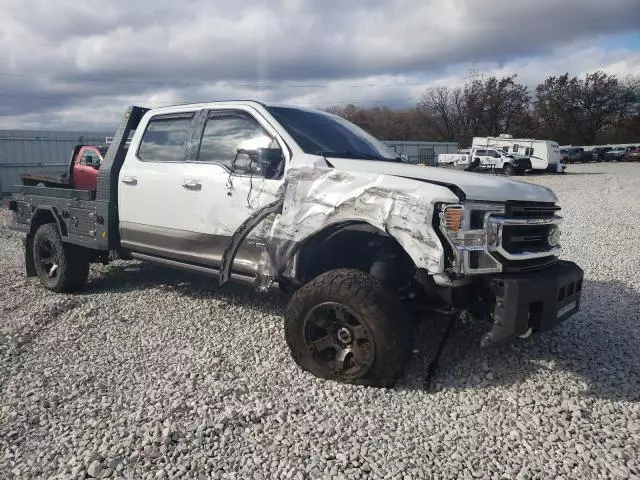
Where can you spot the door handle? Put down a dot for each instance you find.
(192, 185)
(130, 180)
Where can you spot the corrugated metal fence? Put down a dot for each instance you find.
(47, 152)
(423, 153)
(37, 151)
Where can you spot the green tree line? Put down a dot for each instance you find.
(599, 108)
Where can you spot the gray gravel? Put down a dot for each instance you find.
(156, 374)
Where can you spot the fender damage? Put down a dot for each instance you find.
(316, 198)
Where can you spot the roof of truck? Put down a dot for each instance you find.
(183, 106)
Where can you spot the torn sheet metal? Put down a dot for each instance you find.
(315, 198)
(241, 234)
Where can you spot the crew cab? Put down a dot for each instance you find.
(307, 202)
(82, 172)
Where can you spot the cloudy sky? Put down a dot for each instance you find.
(69, 64)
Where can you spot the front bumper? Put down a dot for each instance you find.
(537, 300)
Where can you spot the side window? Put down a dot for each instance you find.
(529, 151)
(515, 148)
(165, 138)
(83, 159)
(225, 133)
(481, 153)
(90, 158)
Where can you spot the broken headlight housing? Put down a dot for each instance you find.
(464, 227)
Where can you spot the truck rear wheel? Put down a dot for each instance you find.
(60, 267)
(345, 326)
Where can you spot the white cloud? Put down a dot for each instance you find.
(60, 56)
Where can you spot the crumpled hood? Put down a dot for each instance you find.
(476, 186)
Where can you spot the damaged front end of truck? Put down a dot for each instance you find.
(495, 261)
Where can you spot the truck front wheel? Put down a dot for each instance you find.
(345, 326)
(508, 170)
(60, 267)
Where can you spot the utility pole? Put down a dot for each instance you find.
(474, 73)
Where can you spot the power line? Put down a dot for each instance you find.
(204, 83)
(141, 101)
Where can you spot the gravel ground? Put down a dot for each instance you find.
(151, 373)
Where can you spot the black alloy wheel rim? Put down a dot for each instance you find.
(48, 259)
(339, 342)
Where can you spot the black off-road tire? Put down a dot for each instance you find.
(508, 170)
(72, 262)
(381, 313)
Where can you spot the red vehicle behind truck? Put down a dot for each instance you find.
(82, 173)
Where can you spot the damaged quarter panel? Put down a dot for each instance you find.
(315, 198)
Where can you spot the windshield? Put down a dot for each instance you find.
(323, 134)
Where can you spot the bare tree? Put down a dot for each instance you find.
(438, 107)
(565, 108)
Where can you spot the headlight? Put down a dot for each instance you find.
(464, 228)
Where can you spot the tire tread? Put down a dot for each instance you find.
(367, 295)
(73, 265)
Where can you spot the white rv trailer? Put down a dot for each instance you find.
(543, 154)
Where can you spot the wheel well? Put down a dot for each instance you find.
(43, 216)
(356, 245)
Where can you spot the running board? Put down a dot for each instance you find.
(189, 267)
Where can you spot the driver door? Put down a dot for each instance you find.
(224, 185)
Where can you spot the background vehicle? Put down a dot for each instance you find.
(544, 155)
(585, 155)
(599, 153)
(571, 155)
(307, 201)
(82, 172)
(618, 154)
(479, 159)
(633, 153)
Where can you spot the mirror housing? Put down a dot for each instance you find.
(266, 162)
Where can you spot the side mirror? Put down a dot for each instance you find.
(266, 162)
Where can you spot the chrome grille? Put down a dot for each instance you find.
(520, 237)
(531, 209)
(530, 238)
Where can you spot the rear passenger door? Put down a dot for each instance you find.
(482, 156)
(151, 198)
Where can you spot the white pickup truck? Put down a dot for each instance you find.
(478, 159)
(308, 202)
